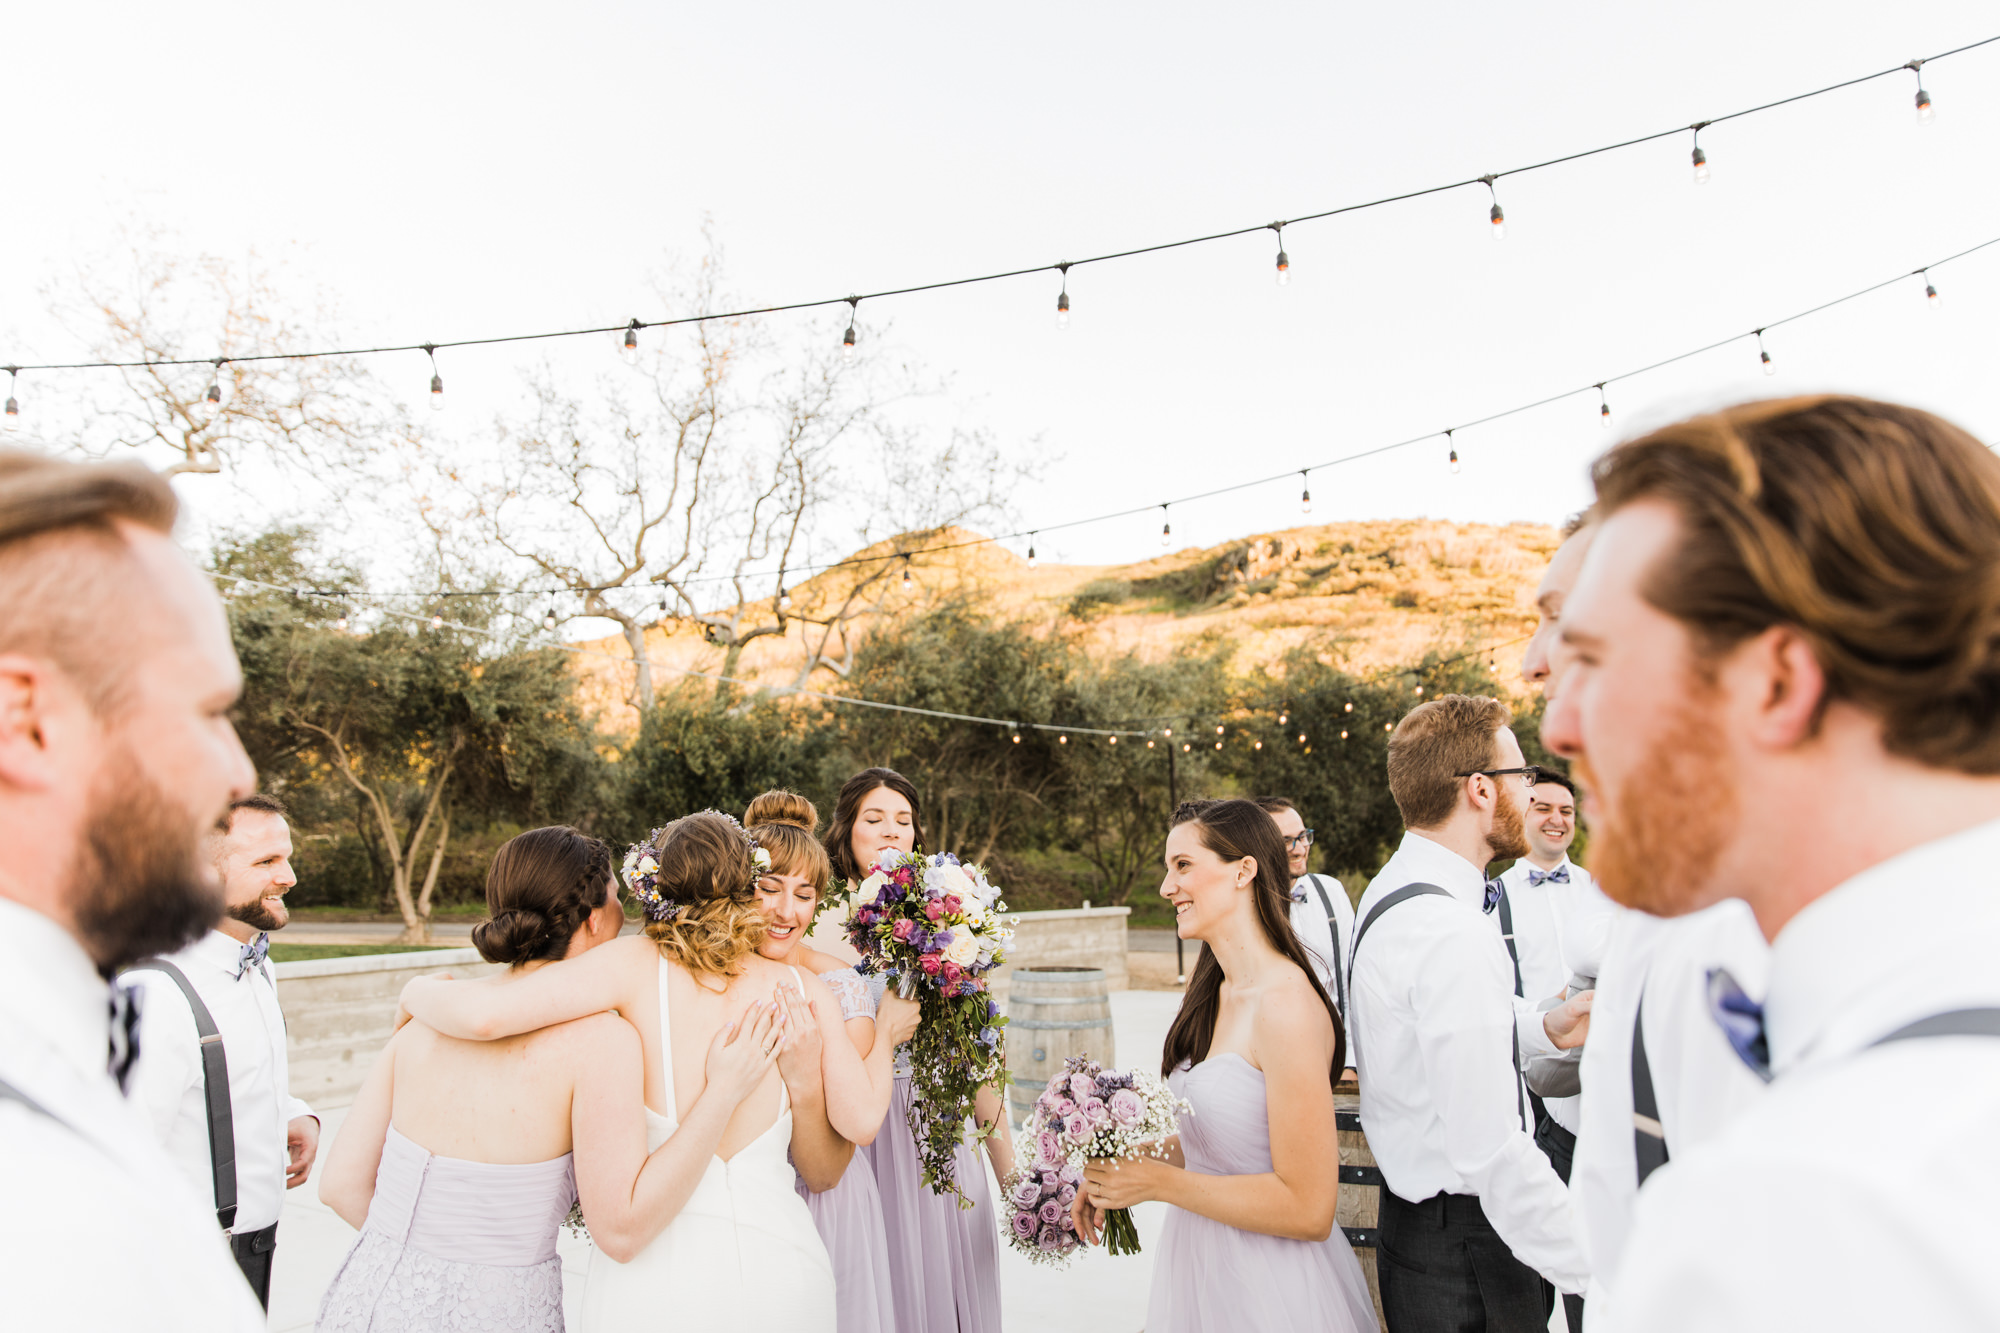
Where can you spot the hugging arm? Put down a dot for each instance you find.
(604, 978)
(347, 1180)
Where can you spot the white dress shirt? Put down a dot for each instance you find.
(1309, 922)
(1859, 1191)
(1699, 1082)
(1560, 930)
(97, 1229)
(1433, 1022)
(168, 1079)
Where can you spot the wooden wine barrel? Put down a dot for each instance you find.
(1052, 1014)
(1359, 1209)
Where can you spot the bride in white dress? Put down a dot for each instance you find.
(741, 1226)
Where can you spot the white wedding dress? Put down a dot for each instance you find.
(743, 1253)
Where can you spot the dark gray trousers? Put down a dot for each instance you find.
(1445, 1270)
(1559, 1146)
(253, 1250)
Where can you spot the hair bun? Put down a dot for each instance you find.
(514, 936)
(782, 807)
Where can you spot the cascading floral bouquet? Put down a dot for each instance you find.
(1090, 1111)
(932, 925)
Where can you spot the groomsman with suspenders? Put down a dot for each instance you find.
(1472, 1211)
(214, 1077)
(1781, 683)
(116, 754)
(1662, 1091)
(1321, 913)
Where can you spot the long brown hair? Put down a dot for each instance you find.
(1234, 830)
(542, 886)
(847, 808)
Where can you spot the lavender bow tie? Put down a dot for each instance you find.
(1741, 1020)
(1493, 895)
(124, 1046)
(253, 954)
(1560, 875)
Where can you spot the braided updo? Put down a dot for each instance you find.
(541, 888)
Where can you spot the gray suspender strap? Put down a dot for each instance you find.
(1403, 895)
(1333, 929)
(1507, 934)
(1957, 1023)
(1649, 1140)
(215, 1081)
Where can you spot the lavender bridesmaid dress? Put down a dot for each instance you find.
(946, 1259)
(451, 1244)
(1207, 1275)
(849, 1216)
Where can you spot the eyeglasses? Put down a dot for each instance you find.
(1298, 840)
(1530, 773)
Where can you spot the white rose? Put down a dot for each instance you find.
(975, 913)
(648, 865)
(872, 886)
(964, 947)
(950, 879)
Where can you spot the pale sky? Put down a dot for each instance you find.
(455, 171)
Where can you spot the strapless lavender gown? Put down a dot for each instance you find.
(1207, 1275)
(849, 1216)
(946, 1260)
(454, 1245)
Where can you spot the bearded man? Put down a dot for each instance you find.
(116, 756)
(1783, 685)
(1472, 1211)
(214, 1077)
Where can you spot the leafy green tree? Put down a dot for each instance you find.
(694, 753)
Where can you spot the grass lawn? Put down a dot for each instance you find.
(294, 953)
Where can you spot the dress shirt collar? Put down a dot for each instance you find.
(49, 986)
(1519, 870)
(1420, 860)
(1871, 947)
(222, 952)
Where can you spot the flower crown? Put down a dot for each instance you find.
(642, 870)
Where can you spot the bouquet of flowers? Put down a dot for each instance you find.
(932, 925)
(1089, 1111)
(1037, 1198)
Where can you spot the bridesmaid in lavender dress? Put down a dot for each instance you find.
(946, 1260)
(1249, 1240)
(848, 1215)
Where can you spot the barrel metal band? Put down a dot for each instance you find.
(1019, 998)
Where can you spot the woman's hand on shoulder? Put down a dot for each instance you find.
(743, 1052)
(799, 1054)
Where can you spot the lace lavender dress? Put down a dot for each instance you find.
(946, 1260)
(849, 1216)
(1209, 1275)
(454, 1247)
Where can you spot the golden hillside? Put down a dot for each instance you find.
(1378, 593)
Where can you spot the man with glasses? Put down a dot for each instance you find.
(1322, 915)
(1472, 1211)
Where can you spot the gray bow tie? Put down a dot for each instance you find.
(1560, 875)
(253, 954)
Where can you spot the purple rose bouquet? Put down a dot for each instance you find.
(932, 924)
(1089, 1111)
(1035, 1200)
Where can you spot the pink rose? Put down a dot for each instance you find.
(1024, 1225)
(1048, 1182)
(934, 910)
(1071, 1175)
(1050, 1150)
(1049, 1239)
(951, 970)
(1082, 1087)
(1052, 1213)
(952, 905)
(903, 929)
(931, 964)
(1027, 1192)
(1077, 1127)
(1097, 1113)
(1126, 1108)
(1064, 1107)
(1066, 1195)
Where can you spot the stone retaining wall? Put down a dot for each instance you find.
(341, 1011)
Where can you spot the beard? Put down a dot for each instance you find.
(1655, 845)
(1509, 836)
(257, 916)
(137, 881)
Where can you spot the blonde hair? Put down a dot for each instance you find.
(782, 822)
(705, 867)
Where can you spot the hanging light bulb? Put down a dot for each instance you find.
(1257, 745)
(629, 350)
(1166, 529)
(1031, 553)
(1306, 496)
(906, 574)
(1930, 292)
(1017, 735)
(549, 619)
(1764, 356)
(1114, 740)
(1062, 299)
(847, 340)
(437, 380)
(784, 598)
(1925, 112)
(1603, 407)
(1348, 709)
(1302, 738)
(1168, 733)
(1149, 745)
(1700, 158)
(1185, 747)
(1062, 740)
(1284, 260)
(214, 395)
(1496, 216)
(1282, 717)
(13, 403)
(437, 622)
(1454, 454)
(1343, 735)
